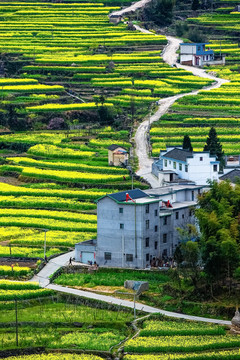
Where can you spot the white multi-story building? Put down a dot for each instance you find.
(135, 226)
(178, 165)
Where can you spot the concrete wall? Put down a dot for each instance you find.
(201, 171)
(129, 240)
(188, 49)
(173, 222)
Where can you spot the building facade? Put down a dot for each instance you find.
(137, 226)
(127, 231)
(176, 164)
(198, 54)
(117, 155)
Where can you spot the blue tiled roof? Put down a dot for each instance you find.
(134, 194)
(204, 52)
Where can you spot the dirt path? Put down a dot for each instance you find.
(142, 134)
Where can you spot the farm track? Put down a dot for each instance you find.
(142, 138)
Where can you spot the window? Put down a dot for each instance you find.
(180, 167)
(108, 256)
(201, 158)
(165, 163)
(147, 224)
(170, 162)
(164, 238)
(193, 196)
(199, 48)
(190, 212)
(174, 165)
(164, 253)
(147, 242)
(156, 212)
(120, 210)
(155, 245)
(199, 191)
(182, 216)
(156, 228)
(147, 257)
(176, 215)
(215, 168)
(129, 257)
(121, 226)
(186, 168)
(147, 209)
(165, 220)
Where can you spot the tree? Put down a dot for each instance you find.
(187, 143)
(195, 5)
(218, 218)
(214, 146)
(159, 11)
(102, 99)
(14, 119)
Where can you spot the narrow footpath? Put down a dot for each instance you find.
(130, 304)
(43, 277)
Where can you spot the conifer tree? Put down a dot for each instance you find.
(214, 146)
(195, 5)
(187, 143)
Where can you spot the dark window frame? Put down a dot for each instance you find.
(129, 257)
(107, 256)
(147, 242)
(147, 224)
(165, 238)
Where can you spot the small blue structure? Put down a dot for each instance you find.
(196, 54)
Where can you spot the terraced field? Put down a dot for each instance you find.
(175, 340)
(81, 60)
(59, 181)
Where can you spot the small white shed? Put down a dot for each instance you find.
(85, 252)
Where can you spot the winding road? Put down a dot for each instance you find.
(142, 133)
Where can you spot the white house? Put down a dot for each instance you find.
(198, 54)
(189, 166)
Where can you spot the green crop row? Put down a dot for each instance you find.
(47, 214)
(89, 194)
(180, 343)
(218, 355)
(43, 223)
(172, 328)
